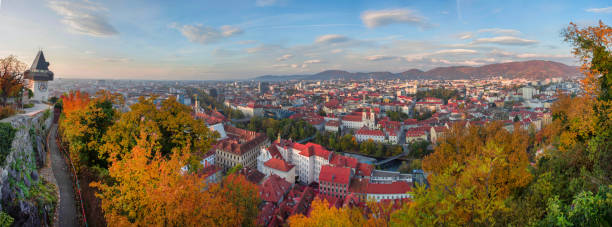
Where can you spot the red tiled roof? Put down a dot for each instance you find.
(233, 144)
(266, 214)
(332, 123)
(344, 161)
(370, 132)
(252, 175)
(274, 151)
(364, 169)
(410, 121)
(359, 185)
(356, 118)
(429, 103)
(415, 133)
(397, 187)
(274, 188)
(333, 174)
(432, 99)
(439, 128)
(315, 121)
(278, 164)
(312, 149)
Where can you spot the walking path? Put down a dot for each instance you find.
(67, 215)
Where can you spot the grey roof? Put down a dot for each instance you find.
(39, 62)
(39, 70)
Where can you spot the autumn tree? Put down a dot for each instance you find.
(243, 196)
(149, 189)
(472, 172)
(322, 214)
(84, 124)
(11, 78)
(172, 122)
(73, 101)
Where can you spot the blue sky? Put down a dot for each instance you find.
(237, 39)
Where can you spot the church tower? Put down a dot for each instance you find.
(37, 76)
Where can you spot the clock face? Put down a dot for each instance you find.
(42, 87)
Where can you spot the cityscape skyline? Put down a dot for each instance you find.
(245, 39)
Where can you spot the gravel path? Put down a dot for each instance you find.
(67, 208)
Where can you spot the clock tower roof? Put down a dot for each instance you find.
(39, 69)
(39, 62)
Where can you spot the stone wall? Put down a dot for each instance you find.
(23, 194)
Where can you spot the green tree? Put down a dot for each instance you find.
(84, 128)
(172, 122)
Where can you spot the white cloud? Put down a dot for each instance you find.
(469, 63)
(285, 57)
(505, 40)
(466, 35)
(600, 10)
(230, 30)
(377, 18)
(336, 51)
(456, 63)
(331, 38)
(532, 55)
(444, 61)
(85, 17)
(501, 53)
(500, 31)
(206, 34)
(294, 66)
(456, 51)
(379, 58)
(506, 54)
(313, 61)
(490, 60)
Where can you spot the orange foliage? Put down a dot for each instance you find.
(324, 215)
(586, 41)
(74, 100)
(149, 189)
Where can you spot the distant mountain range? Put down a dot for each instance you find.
(535, 69)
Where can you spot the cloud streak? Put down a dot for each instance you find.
(600, 10)
(500, 31)
(505, 40)
(331, 38)
(85, 18)
(206, 34)
(456, 51)
(380, 58)
(379, 18)
(285, 57)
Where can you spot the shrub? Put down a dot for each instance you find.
(45, 196)
(7, 111)
(5, 219)
(7, 133)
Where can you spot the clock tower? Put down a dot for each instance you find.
(38, 75)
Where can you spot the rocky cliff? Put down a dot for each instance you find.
(24, 195)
